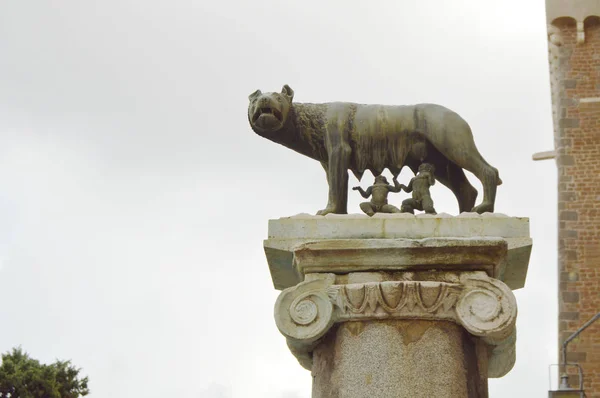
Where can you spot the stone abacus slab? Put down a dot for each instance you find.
(303, 244)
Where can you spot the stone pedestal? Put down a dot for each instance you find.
(399, 305)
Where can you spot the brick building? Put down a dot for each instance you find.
(574, 55)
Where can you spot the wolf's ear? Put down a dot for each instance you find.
(288, 92)
(255, 94)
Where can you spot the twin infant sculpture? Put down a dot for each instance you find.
(419, 186)
(433, 141)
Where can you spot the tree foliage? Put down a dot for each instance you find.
(24, 377)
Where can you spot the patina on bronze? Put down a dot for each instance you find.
(379, 192)
(358, 137)
(419, 186)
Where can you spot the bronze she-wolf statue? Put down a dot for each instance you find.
(344, 136)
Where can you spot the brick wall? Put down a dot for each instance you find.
(576, 77)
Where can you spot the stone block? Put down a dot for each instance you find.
(566, 160)
(570, 297)
(287, 234)
(568, 216)
(568, 123)
(358, 255)
(569, 316)
(578, 357)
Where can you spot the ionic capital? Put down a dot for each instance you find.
(484, 306)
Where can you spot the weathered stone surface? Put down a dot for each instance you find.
(286, 234)
(353, 255)
(577, 9)
(399, 305)
(568, 123)
(390, 226)
(483, 306)
(398, 359)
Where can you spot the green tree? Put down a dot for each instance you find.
(24, 377)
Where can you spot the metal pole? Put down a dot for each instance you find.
(564, 379)
(571, 337)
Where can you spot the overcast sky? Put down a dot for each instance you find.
(134, 197)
